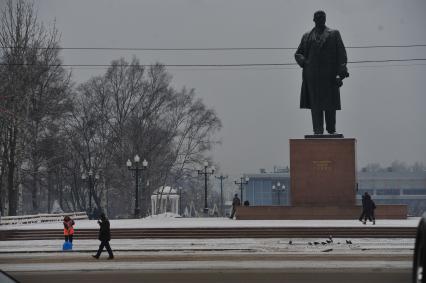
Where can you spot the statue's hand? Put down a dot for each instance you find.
(300, 59)
(345, 74)
(339, 81)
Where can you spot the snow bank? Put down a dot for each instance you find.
(170, 221)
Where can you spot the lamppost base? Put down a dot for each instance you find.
(89, 215)
(206, 211)
(137, 212)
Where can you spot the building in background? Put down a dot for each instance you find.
(385, 187)
(268, 188)
(390, 187)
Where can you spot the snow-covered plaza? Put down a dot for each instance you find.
(235, 253)
(171, 221)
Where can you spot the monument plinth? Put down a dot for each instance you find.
(323, 172)
(323, 184)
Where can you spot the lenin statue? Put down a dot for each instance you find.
(322, 56)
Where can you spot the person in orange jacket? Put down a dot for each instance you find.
(68, 229)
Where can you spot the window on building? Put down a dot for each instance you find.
(392, 192)
(258, 192)
(414, 192)
(267, 193)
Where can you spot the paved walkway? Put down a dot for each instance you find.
(294, 275)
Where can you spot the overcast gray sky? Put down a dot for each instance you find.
(383, 105)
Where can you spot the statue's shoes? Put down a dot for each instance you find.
(335, 135)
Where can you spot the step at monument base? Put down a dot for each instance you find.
(317, 212)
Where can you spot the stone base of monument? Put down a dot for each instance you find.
(323, 184)
(317, 212)
(329, 136)
(323, 172)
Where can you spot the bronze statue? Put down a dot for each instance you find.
(322, 56)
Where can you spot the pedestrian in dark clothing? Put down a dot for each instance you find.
(373, 215)
(235, 202)
(369, 208)
(361, 217)
(104, 237)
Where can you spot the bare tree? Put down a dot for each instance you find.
(49, 135)
(131, 111)
(35, 85)
(17, 34)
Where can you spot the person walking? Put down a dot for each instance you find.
(104, 237)
(373, 215)
(68, 229)
(361, 217)
(369, 208)
(235, 202)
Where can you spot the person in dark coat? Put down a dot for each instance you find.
(361, 217)
(104, 237)
(373, 214)
(369, 208)
(322, 56)
(235, 202)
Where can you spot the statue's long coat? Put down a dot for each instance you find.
(322, 58)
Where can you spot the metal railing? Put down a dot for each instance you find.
(40, 218)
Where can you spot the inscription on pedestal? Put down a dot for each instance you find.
(322, 165)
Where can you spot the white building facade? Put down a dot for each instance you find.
(165, 199)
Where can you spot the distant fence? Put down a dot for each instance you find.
(40, 218)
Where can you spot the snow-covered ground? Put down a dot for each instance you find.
(148, 254)
(220, 254)
(171, 222)
(297, 245)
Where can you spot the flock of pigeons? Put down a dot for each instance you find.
(328, 241)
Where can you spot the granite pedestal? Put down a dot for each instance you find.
(323, 172)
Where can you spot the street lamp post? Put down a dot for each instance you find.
(241, 183)
(180, 200)
(147, 198)
(221, 178)
(278, 188)
(137, 169)
(90, 185)
(205, 172)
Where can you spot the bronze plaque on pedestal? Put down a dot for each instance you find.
(323, 172)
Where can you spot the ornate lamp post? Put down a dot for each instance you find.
(180, 200)
(221, 178)
(241, 183)
(278, 188)
(137, 169)
(90, 184)
(205, 172)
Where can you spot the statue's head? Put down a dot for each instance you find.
(319, 18)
